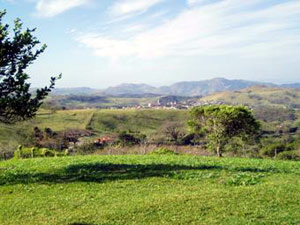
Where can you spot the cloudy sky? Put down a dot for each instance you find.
(100, 43)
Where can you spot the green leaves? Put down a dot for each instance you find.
(17, 52)
(222, 123)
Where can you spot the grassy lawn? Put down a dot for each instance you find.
(149, 190)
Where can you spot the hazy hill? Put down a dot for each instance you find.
(131, 89)
(77, 91)
(185, 88)
(206, 87)
(295, 85)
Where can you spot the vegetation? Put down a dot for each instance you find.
(85, 126)
(145, 121)
(258, 96)
(16, 54)
(163, 151)
(221, 124)
(163, 189)
(23, 153)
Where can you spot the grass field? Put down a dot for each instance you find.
(145, 121)
(12, 135)
(149, 190)
(98, 121)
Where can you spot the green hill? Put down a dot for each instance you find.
(259, 96)
(145, 121)
(149, 190)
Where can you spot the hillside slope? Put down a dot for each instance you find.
(259, 96)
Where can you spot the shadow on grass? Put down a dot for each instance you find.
(97, 172)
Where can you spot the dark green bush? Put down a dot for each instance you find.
(130, 138)
(272, 150)
(289, 155)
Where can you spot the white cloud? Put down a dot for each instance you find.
(193, 2)
(224, 27)
(122, 7)
(50, 8)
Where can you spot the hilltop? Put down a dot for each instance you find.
(184, 88)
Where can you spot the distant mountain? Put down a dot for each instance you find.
(185, 88)
(206, 87)
(72, 91)
(131, 89)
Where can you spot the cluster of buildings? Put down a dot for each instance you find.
(187, 104)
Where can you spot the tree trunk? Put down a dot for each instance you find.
(219, 153)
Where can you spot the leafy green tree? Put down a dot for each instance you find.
(17, 51)
(220, 124)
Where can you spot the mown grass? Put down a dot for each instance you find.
(149, 190)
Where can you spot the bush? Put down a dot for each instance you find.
(289, 155)
(130, 138)
(87, 148)
(22, 152)
(273, 149)
(163, 151)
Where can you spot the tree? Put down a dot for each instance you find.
(174, 131)
(222, 123)
(17, 51)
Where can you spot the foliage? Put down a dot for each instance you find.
(174, 131)
(129, 138)
(34, 152)
(221, 123)
(87, 147)
(289, 155)
(163, 151)
(272, 150)
(17, 52)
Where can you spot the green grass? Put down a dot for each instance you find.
(12, 135)
(61, 120)
(149, 190)
(145, 121)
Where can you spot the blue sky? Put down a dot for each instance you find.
(101, 43)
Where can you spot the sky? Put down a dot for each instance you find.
(101, 43)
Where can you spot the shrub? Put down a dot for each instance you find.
(273, 149)
(87, 148)
(130, 138)
(289, 155)
(163, 151)
(23, 152)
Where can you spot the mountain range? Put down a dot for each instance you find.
(185, 88)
